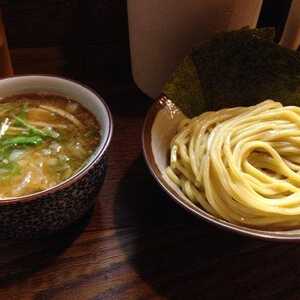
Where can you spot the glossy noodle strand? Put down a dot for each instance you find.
(242, 164)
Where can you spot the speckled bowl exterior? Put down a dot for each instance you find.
(49, 211)
(53, 211)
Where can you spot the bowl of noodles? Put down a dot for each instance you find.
(238, 167)
(54, 135)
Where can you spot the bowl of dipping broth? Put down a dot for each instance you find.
(54, 135)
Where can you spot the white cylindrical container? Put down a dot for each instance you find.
(163, 32)
(291, 34)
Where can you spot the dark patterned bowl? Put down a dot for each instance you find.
(53, 209)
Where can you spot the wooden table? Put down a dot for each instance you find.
(137, 243)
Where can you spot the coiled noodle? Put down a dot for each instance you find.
(242, 164)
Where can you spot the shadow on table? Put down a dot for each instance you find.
(20, 259)
(182, 257)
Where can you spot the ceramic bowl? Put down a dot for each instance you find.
(55, 208)
(160, 126)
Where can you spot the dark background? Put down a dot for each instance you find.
(88, 37)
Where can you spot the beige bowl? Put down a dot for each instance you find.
(159, 128)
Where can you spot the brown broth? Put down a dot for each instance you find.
(44, 140)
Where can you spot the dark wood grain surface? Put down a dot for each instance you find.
(137, 243)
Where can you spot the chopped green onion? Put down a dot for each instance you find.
(22, 140)
(45, 133)
(33, 129)
(8, 170)
(23, 112)
(5, 151)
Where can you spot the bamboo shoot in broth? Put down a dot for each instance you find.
(44, 140)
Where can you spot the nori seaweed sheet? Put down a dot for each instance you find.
(185, 90)
(236, 68)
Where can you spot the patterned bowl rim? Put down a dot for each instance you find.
(160, 104)
(84, 171)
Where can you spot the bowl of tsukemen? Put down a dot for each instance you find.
(54, 137)
(229, 151)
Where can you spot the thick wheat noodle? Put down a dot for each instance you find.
(242, 164)
(46, 124)
(18, 129)
(38, 110)
(64, 114)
